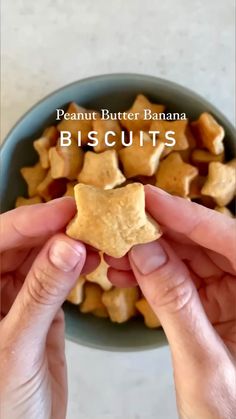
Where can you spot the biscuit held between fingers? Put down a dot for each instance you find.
(92, 298)
(20, 201)
(150, 318)
(209, 133)
(175, 176)
(33, 176)
(120, 303)
(220, 183)
(73, 126)
(141, 160)
(99, 275)
(112, 221)
(102, 127)
(76, 294)
(66, 161)
(101, 170)
(42, 145)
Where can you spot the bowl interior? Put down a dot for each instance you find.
(116, 93)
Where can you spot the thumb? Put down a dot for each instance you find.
(166, 283)
(50, 279)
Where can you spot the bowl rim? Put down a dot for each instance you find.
(119, 76)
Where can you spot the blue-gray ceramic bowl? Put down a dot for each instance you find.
(115, 92)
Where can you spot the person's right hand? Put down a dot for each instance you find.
(188, 277)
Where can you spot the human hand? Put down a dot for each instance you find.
(40, 265)
(188, 277)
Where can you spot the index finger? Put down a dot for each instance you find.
(27, 225)
(200, 224)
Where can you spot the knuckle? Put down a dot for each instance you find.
(173, 292)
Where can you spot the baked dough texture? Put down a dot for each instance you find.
(112, 220)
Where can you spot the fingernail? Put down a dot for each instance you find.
(65, 256)
(148, 257)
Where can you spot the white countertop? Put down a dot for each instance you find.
(49, 43)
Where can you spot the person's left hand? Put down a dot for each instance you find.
(40, 266)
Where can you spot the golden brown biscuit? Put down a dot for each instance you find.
(101, 170)
(112, 221)
(21, 201)
(66, 161)
(33, 176)
(150, 318)
(102, 127)
(42, 145)
(51, 188)
(209, 133)
(232, 163)
(141, 103)
(99, 275)
(201, 159)
(76, 294)
(186, 154)
(100, 312)
(73, 126)
(70, 189)
(92, 299)
(175, 176)
(141, 160)
(120, 303)
(196, 187)
(220, 183)
(225, 211)
(178, 127)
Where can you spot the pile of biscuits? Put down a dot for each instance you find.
(107, 183)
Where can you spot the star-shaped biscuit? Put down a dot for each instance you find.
(102, 127)
(232, 163)
(75, 125)
(120, 303)
(70, 189)
(33, 176)
(101, 170)
(175, 176)
(42, 145)
(21, 201)
(51, 188)
(66, 161)
(141, 103)
(92, 302)
(76, 294)
(99, 275)
(112, 221)
(140, 160)
(201, 159)
(180, 134)
(220, 183)
(209, 133)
